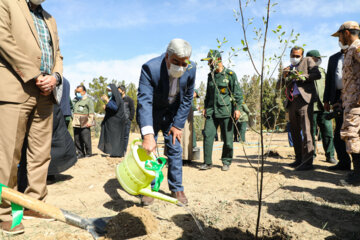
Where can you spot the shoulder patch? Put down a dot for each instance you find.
(358, 49)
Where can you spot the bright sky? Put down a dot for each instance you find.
(113, 38)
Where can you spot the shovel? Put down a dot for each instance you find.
(95, 226)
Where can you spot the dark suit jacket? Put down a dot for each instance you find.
(330, 84)
(306, 88)
(153, 92)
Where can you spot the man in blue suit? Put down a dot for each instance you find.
(164, 98)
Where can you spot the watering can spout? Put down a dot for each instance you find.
(148, 192)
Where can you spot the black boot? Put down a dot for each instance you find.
(296, 163)
(353, 178)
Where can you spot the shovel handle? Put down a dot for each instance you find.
(33, 204)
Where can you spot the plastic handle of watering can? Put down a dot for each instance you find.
(148, 192)
(152, 155)
(135, 141)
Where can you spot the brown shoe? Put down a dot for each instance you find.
(146, 201)
(180, 195)
(6, 228)
(30, 214)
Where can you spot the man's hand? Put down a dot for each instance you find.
(105, 98)
(237, 115)
(149, 143)
(88, 125)
(46, 84)
(327, 106)
(286, 72)
(204, 113)
(336, 106)
(176, 134)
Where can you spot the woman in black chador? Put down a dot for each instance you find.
(113, 125)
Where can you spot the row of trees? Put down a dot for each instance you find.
(273, 111)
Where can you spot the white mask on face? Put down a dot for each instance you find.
(318, 63)
(343, 47)
(295, 61)
(37, 2)
(176, 71)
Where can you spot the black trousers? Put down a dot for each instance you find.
(340, 146)
(82, 139)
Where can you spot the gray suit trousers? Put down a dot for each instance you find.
(301, 114)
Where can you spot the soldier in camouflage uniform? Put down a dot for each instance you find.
(223, 101)
(348, 34)
(82, 121)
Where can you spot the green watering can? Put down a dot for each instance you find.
(136, 172)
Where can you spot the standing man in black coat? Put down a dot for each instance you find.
(333, 87)
(129, 109)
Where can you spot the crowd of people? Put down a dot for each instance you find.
(35, 107)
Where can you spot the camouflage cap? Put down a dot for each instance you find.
(314, 53)
(347, 26)
(213, 54)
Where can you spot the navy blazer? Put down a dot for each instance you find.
(65, 98)
(153, 93)
(330, 83)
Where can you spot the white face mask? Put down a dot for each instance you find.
(343, 47)
(37, 2)
(295, 61)
(318, 63)
(176, 71)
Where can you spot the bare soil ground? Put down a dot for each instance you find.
(297, 205)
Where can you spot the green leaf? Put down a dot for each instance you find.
(242, 42)
(245, 49)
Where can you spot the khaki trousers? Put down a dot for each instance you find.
(33, 119)
(187, 137)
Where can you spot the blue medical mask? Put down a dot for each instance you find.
(78, 95)
(109, 94)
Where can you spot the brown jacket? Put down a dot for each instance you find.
(306, 87)
(20, 54)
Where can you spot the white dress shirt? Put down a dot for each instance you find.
(338, 73)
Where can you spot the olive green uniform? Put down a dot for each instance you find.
(326, 128)
(83, 114)
(223, 97)
(241, 124)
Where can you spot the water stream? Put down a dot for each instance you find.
(195, 219)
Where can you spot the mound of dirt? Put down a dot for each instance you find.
(131, 222)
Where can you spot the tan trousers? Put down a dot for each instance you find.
(350, 132)
(187, 137)
(34, 119)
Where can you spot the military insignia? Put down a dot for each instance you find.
(231, 73)
(358, 50)
(226, 80)
(222, 90)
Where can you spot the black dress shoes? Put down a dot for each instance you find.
(304, 167)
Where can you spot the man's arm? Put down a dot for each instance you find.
(91, 113)
(313, 71)
(185, 104)
(10, 52)
(145, 102)
(237, 92)
(58, 64)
